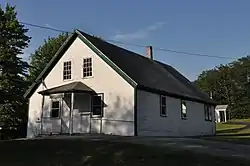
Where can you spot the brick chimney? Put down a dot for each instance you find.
(149, 51)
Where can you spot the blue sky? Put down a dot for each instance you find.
(219, 28)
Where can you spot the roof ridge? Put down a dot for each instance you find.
(119, 47)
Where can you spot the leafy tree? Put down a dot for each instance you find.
(230, 84)
(44, 54)
(13, 40)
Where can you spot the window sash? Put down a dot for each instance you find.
(208, 112)
(97, 107)
(163, 106)
(163, 110)
(55, 111)
(183, 110)
(87, 67)
(67, 70)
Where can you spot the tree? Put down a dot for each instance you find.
(230, 84)
(44, 54)
(13, 40)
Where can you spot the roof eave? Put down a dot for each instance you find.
(174, 95)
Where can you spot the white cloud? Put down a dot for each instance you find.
(139, 34)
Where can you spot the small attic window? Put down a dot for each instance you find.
(67, 70)
(87, 67)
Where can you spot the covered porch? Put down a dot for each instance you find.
(72, 108)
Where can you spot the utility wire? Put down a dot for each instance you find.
(131, 44)
(44, 27)
(195, 54)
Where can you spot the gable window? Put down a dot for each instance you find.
(163, 105)
(183, 110)
(208, 112)
(87, 67)
(55, 109)
(97, 105)
(67, 70)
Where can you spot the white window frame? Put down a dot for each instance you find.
(65, 69)
(183, 114)
(59, 109)
(89, 69)
(162, 106)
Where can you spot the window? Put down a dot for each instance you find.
(183, 110)
(87, 67)
(55, 109)
(208, 112)
(163, 106)
(97, 105)
(67, 70)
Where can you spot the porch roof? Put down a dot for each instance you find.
(76, 87)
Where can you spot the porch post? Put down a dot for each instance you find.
(71, 114)
(225, 116)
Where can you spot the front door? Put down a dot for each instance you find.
(85, 123)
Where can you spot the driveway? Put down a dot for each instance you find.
(217, 148)
(197, 145)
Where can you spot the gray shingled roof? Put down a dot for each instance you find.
(149, 74)
(70, 87)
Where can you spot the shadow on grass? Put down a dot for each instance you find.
(54, 152)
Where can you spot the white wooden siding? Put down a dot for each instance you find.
(118, 94)
(150, 123)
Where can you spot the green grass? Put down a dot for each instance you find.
(223, 126)
(234, 133)
(240, 120)
(76, 152)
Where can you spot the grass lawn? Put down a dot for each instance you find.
(224, 126)
(53, 152)
(233, 133)
(240, 120)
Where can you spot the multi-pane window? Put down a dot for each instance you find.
(67, 70)
(55, 109)
(163, 106)
(87, 67)
(208, 112)
(183, 110)
(97, 105)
